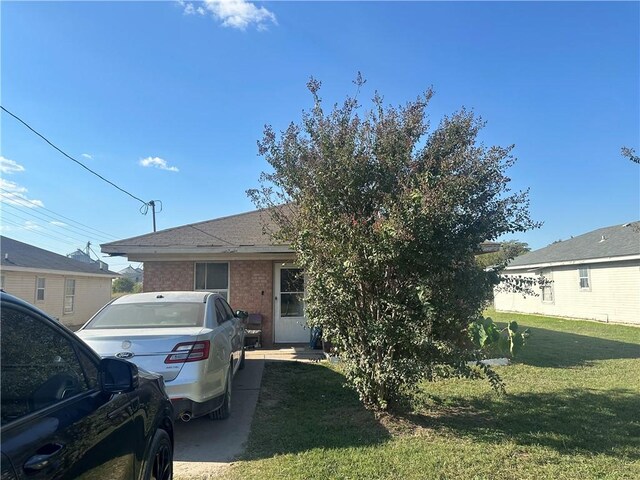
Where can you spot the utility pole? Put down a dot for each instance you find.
(152, 203)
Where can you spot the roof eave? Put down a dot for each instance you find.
(124, 250)
(620, 258)
(53, 271)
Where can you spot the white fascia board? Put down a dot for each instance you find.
(229, 250)
(623, 258)
(49, 271)
(209, 257)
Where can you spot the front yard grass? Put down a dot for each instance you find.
(572, 411)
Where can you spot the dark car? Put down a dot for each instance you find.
(67, 414)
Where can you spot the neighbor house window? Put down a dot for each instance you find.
(40, 284)
(547, 287)
(69, 295)
(585, 284)
(2, 282)
(213, 277)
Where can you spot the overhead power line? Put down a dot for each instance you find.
(211, 235)
(70, 235)
(71, 228)
(66, 241)
(29, 203)
(71, 158)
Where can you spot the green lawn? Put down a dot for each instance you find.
(572, 411)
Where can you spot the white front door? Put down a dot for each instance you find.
(290, 323)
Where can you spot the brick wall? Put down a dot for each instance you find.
(167, 276)
(251, 289)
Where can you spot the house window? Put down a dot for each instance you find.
(585, 284)
(40, 285)
(69, 295)
(2, 282)
(213, 277)
(547, 287)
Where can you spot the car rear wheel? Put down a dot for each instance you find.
(224, 411)
(160, 462)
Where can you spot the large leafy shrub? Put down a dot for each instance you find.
(386, 216)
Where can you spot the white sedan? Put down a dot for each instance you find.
(193, 339)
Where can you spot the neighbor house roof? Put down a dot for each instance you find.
(242, 233)
(129, 270)
(22, 256)
(610, 243)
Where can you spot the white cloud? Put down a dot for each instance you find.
(86, 155)
(29, 225)
(13, 194)
(157, 163)
(10, 166)
(58, 224)
(239, 14)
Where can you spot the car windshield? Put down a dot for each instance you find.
(149, 315)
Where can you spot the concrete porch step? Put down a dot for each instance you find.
(286, 354)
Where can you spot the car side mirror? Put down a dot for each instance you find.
(241, 314)
(117, 376)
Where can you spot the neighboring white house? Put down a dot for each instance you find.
(593, 276)
(66, 289)
(136, 275)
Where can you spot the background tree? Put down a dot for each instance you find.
(508, 251)
(122, 285)
(385, 219)
(630, 153)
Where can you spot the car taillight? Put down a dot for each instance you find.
(189, 352)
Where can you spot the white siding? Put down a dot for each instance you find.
(91, 294)
(613, 296)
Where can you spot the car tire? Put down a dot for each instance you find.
(160, 461)
(224, 411)
(241, 364)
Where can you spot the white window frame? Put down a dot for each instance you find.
(43, 289)
(550, 296)
(65, 310)
(587, 288)
(225, 292)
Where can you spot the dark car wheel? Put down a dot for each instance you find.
(160, 462)
(224, 411)
(241, 365)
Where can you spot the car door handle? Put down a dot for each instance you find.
(42, 459)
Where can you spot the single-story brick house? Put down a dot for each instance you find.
(67, 289)
(234, 257)
(593, 276)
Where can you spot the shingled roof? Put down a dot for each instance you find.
(604, 243)
(241, 232)
(22, 255)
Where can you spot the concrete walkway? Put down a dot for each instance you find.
(289, 353)
(204, 447)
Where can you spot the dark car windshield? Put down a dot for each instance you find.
(149, 315)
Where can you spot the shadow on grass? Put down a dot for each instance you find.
(305, 406)
(551, 348)
(569, 421)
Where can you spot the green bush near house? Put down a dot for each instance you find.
(572, 411)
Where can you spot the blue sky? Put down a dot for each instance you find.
(186, 89)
